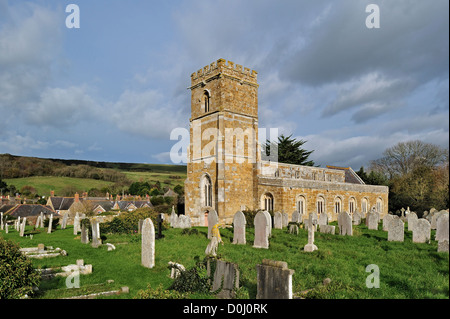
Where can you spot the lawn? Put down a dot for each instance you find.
(407, 270)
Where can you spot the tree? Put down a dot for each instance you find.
(290, 151)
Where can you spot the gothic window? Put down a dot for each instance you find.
(379, 205)
(364, 205)
(337, 205)
(206, 98)
(267, 202)
(352, 205)
(206, 190)
(320, 205)
(301, 205)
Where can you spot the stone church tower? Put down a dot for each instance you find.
(223, 151)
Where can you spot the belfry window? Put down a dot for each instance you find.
(206, 98)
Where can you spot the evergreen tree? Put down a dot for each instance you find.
(290, 151)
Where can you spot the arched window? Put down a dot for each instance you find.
(206, 191)
(301, 205)
(337, 205)
(364, 205)
(352, 205)
(379, 206)
(205, 101)
(267, 202)
(320, 205)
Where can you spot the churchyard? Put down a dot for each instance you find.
(337, 269)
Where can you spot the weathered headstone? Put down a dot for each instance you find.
(50, 224)
(442, 227)
(285, 219)
(184, 221)
(396, 229)
(277, 220)
(213, 219)
(6, 228)
(356, 218)
(443, 246)
(323, 219)
(76, 224)
(345, 224)
(64, 221)
(96, 242)
(84, 234)
(269, 222)
(226, 276)
(173, 217)
(1, 221)
(386, 221)
(148, 244)
(372, 220)
(18, 223)
(296, 217)
(310, 247)
(239, 223)
(38, 222)
(293, 229)
(412, 219)
(22, 227)
(175, 269)
(422, 231)
(274, 280)
(327, 229)
(261, 231)
(42, 220)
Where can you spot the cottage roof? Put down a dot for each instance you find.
(26, 210)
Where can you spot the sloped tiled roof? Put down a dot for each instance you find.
(26, 210)
(62, 203)
(350, 175)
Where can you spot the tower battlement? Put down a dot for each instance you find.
(224, 67)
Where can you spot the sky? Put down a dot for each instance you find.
(116, 87)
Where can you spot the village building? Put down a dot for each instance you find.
(226, 171)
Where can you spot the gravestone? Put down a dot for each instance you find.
(293, 229)
(22, 227)
(443, 246)
(285, 219)
(274, 280)
(356, 218)
(386, 221)
(173, 217)
(323, 219)
(84, 234)
(38, 222)
(327, 229)
(140, 222)
(310, 247)
(159, 220)
(6, 228)
(239, 223)
(76, 224)
(50, 222)
(1, 221)
(213, 219)
(422, 231)
(261, 231)
(442, 227)
(148, 244)
(396, 229)
(412, 219)
(372, 220)
(17, 225)
(277, 220)
(184, 221)
(42, 220)
(96, 242)
(64, 221)
(345, 224)
(269, 222)
(226, 278)
(176, 269)
(296, 217)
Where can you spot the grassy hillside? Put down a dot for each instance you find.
(45, 184)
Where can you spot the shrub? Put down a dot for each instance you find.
(129, 222)
(17, 276)
(250, 217)
(194, 279)
(159, 293)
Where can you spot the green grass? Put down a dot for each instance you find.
(407, 270)
(45, 184)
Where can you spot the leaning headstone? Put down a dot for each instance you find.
(213, 219)
(184, 221)
(442, 227)
(274, 280)
(226, 278)
(396, 229)
(261, 231)
(422, 231)
(277, 220)
(42, 220)
(173, 217)
(64, 221)
(412, 219)
(387, 220)
(269, 222)
(38, 222)
(50, 222)
(6, 228)
(18, 224)
(148, 244)
(239, 223)
(22, 227)
(310, 247)
(345, 224)
(176, 269)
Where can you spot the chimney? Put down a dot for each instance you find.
(77, 197)
(52, 193)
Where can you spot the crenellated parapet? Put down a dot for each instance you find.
(225, 68)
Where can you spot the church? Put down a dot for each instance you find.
(227, 173)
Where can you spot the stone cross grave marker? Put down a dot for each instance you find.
(310, 247)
